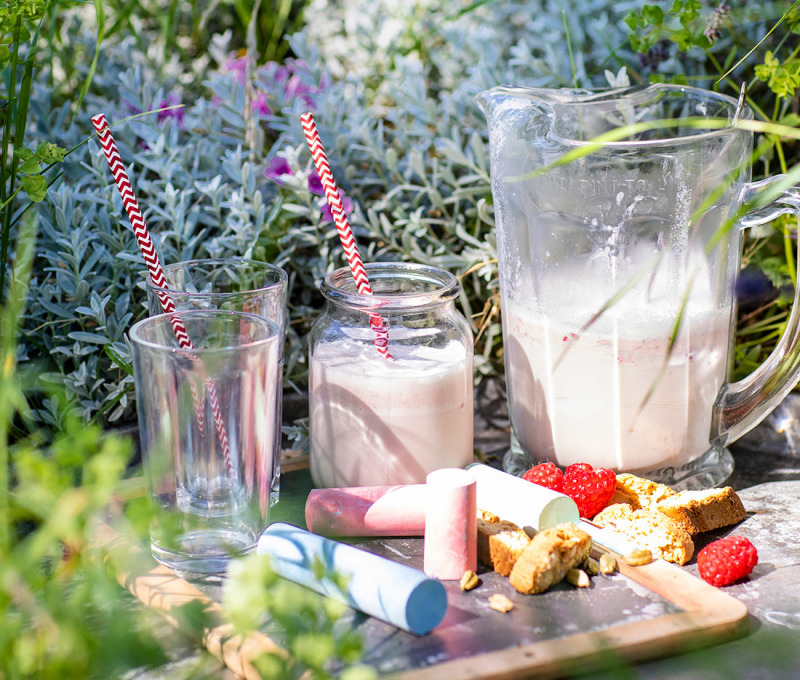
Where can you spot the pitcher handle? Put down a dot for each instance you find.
(742, 405)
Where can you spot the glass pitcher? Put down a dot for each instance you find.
(618, 257)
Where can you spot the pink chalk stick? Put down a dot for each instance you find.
(367, 511)
(451, 532)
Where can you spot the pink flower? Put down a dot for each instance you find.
(277, 168)
(237, 66)
(347, 204)
(260, 105)
(315, 184)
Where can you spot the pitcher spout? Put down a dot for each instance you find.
(490, 100)
(502, 97)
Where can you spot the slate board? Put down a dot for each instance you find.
(647, 612)
(644, 613)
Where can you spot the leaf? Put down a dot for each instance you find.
(653, 14)
(31, 166)
(49, 153)
(94, 338)
(24, 34)
(632, 20)
(23, 154)
(119, 362)
(359, 673)
(35, 186)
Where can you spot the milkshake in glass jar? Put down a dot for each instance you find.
(378, 420)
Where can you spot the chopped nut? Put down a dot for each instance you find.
(590, 566)
(500, 603)
(608, 563)
(578, 578)
(469, 580)
(639, 557)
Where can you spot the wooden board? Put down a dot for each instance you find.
(693, 614)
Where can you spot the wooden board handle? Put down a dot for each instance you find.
(161, 589)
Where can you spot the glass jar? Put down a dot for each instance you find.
(378, 420)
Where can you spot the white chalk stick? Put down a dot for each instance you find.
(387, 590)
(451, 533)
(520, 501)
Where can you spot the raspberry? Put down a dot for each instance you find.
(727, 560)
(590, 488)
(545, 474)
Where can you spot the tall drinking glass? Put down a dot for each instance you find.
(207, 421)
(233, 284)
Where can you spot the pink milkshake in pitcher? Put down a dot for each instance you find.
(380, 420)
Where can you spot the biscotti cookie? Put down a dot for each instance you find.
(500, 543)
(640, 493)
(548, 556)
(487, 516)
(699, 511)
(612, 513)
(649, 529)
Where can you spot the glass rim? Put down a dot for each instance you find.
(136, 332)
(280, 282)
(591, 97)
(340, 287)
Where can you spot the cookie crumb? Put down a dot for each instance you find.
(501, 603)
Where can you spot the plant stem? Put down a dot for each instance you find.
(569, 49)
(7, 183)
(5, 420)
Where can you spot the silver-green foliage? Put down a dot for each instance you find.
(392, 91)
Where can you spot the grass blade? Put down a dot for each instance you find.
(101, 27)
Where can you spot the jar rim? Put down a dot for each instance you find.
(340, 287)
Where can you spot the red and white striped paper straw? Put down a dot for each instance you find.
(381, 340)
(156, 272)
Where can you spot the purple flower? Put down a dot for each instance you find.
(280, 73)
(260, 105)
(171, 100)
(286, 81)
(297, 88)
(277, 168)
(347, 204)
(315, 184)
